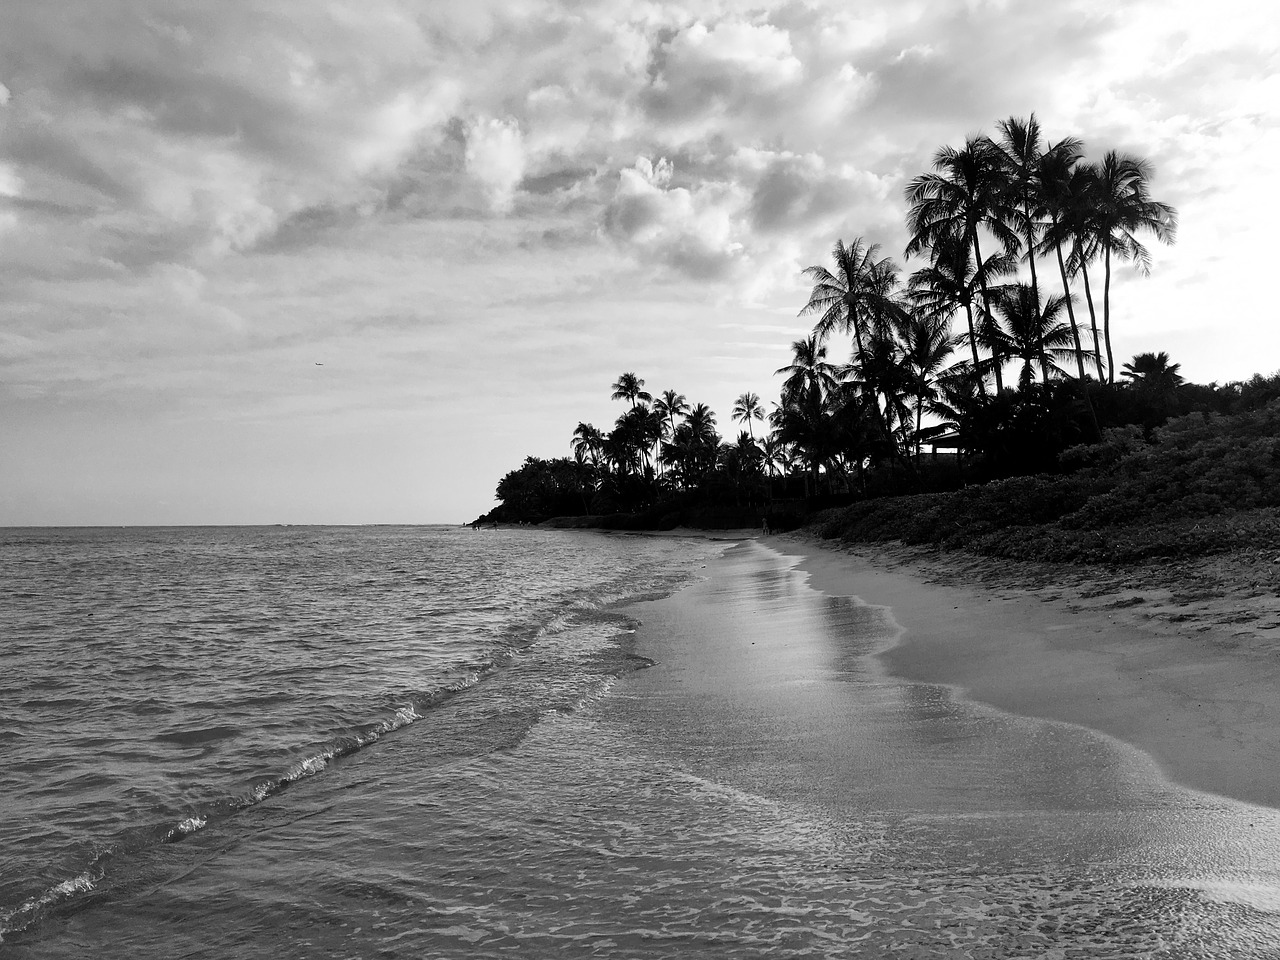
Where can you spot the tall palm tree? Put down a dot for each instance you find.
(1081, 221)
(856, 296)
(629, 387)
(1034, 335)
(1054, 177)
(1020, 150)
(748, 408)
(1123, 208)
(966, 193)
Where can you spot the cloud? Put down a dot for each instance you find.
(689, 229)
(495, 157)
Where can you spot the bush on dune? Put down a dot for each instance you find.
(1204, 484)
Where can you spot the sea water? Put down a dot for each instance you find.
(437, 742)
(166, 686)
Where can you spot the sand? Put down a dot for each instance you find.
(1182, 662)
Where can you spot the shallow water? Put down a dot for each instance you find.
(552, 810)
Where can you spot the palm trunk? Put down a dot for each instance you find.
(973, 336)
(1035, 289)
(857, 329)
(1071, 313)
(986, 306)
(1106, 311)
(1093, 320)
(919, 413)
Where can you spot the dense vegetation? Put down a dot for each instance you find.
(1027, 386)
(1200, 484)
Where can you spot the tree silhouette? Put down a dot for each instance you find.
(629, 387)
(966, 192)
(1122, 207)
(747, 408)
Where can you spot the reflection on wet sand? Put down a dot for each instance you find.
(989, 822)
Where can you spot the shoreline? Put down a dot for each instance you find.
(1181, 661)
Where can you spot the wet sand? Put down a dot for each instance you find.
(1187, 671)
(981, 769)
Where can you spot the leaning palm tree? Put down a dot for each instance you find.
(967, 192)
(748, 408)
(1123, 208)
(855, 296)
(1035, 335)
(629, 387)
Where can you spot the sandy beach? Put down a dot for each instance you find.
(1182, 661)
(1007, 768)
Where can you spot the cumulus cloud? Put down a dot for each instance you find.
(693, 230)
(495, 157)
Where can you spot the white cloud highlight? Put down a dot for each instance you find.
(495, 157)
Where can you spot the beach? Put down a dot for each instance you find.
(1182, 661)
(1111, 782)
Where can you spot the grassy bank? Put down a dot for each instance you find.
(1199, 485)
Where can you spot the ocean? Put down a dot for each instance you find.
(438, 742)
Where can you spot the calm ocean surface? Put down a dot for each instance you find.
(434, 742)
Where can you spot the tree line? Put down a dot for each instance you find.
(996, 350)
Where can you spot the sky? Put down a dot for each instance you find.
(292, 261)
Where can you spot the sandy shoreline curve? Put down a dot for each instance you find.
(1180, 662)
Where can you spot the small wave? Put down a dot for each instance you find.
(18, 920)
(185, 829)
(310, 765)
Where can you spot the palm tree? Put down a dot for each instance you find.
(1055, 179)
(879, 372)
(629, 387)
(856, 296)
(588, 443)
(671, 405)
(694, 444)
(746, 409)
(773, 454)
(1081, 224)
(927, 344)
(1153, 371)
(808, 371)
(1034, 335)
(950, 282)
(1122, 208)
(966, 192)
(1020, 151)
(804, 422)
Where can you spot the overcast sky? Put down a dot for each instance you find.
(286, 261)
